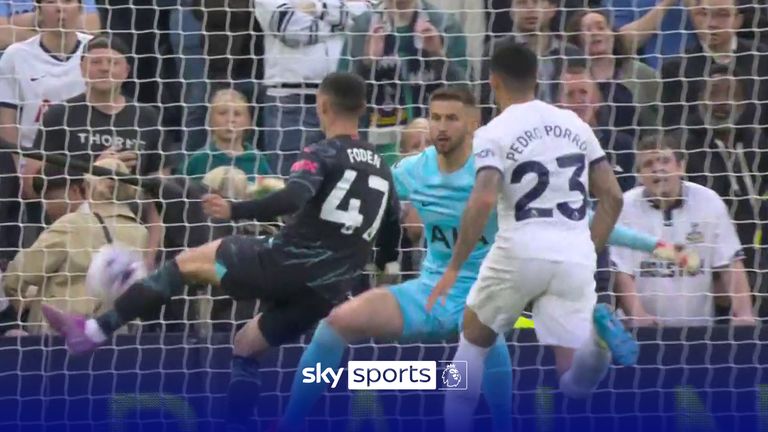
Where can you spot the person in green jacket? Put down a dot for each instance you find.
(230, 121)
(408, 48)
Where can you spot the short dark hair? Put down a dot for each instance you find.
(516, 64)
(347, 92)
(663, 141)
(107, 42)
(454, 93)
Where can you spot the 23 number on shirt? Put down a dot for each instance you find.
(524, 208)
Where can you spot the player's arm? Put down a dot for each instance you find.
(605, 187)
(624, 236)
(306, 177)
(481, 203)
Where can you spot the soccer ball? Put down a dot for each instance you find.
(113, 269)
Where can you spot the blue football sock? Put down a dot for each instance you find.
(243, 391)
(497, 385)
(327, 348)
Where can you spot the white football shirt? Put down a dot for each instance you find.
(544, 154)
(701, 222)
(31, 79)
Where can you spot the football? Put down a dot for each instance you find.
(112, 270)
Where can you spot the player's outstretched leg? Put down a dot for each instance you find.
(497, 385)
(84, 335)
(591, 361)
(372, 314)
(474, 344)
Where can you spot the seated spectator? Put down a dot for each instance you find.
(532, 25)
(727, 154)
(653, 292)
(624, 80)
(229, 145)
(18, 19)
(415, 137)
(103, 123)
(654, 29)
(87, 213)
(580, 94)
(406, 50)
(716, 23)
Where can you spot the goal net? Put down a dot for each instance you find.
(220, 95)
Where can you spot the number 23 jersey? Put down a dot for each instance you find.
(543, 153)
(352, 199)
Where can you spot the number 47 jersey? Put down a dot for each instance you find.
(543, 153)
(353, 198)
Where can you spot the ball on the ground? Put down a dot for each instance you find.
(112, 270)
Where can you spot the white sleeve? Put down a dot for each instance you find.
(9, 89)
(487, 153)
(727, 244)
(594, 150)
(295, 28)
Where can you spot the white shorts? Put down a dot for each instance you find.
(563, 296)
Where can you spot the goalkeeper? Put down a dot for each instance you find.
(438, 183)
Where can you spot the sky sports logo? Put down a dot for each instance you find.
(392, 375)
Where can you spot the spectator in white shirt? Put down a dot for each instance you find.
(653, 292)
(302, 44)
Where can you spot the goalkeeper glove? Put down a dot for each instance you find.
(686, 259)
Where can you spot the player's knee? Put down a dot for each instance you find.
(199, 263)
(249, 341)
(342, 322)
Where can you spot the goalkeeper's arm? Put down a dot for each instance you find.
(623, 236)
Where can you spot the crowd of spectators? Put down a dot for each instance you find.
(199, 95)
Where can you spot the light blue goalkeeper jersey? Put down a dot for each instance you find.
(440, 200)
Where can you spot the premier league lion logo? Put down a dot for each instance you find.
(451, 376)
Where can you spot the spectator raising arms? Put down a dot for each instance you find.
(229, 146)
(302, 44)
(405, 50)
(88, 213)
(654, 292)
(655, 29)
(625, 82)
(18, 21)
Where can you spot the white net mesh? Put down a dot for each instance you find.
(231, 83)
